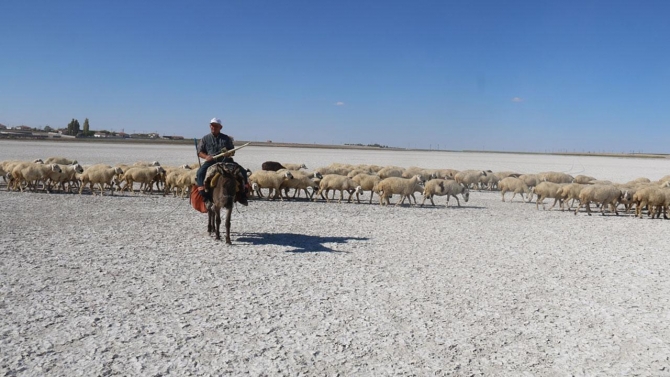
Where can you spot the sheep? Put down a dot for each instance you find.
(301, 182)
(445, 173)
(441, 187)
(357, 171)
(147, 164)
(583, 179)
(60, 161)
(339, 183)
(601, 182)
(174, 181)
(414, 170)
(396, 185)
(556, 177)
(602, 194)
(67, 175)
(547, 190)
(142, 174)
(570, 192)
(504, 174)
(469, 177)
(102, 176)
(390, 171)
(270, 180)
(516, 185)
(367, 182)
(650, 197)
(294, 167)
(639, 180)
(32, 173)
(272, 166)
(489, 181)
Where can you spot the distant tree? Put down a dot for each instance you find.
(48, 128)
(73, 127)
(87, 132)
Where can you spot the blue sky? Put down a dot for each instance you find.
(492, 75)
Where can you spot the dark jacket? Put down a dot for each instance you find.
(213, 145)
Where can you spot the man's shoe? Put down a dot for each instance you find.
(241, 198)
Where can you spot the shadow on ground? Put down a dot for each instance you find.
(302, 243)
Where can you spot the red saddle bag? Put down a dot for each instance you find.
(197, 201)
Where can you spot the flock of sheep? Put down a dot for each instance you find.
(66, 175)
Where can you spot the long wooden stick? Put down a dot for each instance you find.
(226, 153)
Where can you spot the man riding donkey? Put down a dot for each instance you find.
(211, 145)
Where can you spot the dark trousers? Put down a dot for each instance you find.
(202, 172)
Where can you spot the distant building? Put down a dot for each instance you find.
(3, 127)
(173, 137)
(24, 128)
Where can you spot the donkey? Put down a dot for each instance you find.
(226, 183)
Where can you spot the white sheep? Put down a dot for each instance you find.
(570, 192)
(583, 179)
(405, 187)
(390, 171)
(516, 186)
(547, 190)
(32, 173)
(67, 175)
(302, 181)
(271, 180)
(176, 183)
(556, 177)
(338, 183)
(145, 176)
(60, 161)
(367, 182)
(652, 197)
(442, 187)
(100, 175)
(489, 181)
(444, 173)
(147, 164)
(294, 167)
(601, 194)
(469, 178)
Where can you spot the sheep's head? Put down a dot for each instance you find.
(288, 175)
(466, 195)
(56, 168)
(160, 170)
(78, 168)
(303, 166)
(625, 196)
(38, 161)
(318, 175)
(118, 171)
(156, 163)
(74, 162)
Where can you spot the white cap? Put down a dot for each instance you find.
(215, 120)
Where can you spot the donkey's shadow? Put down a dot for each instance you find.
(301, 243)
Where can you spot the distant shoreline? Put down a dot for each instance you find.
(331, 146)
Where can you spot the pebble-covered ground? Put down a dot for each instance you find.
(133, 285)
